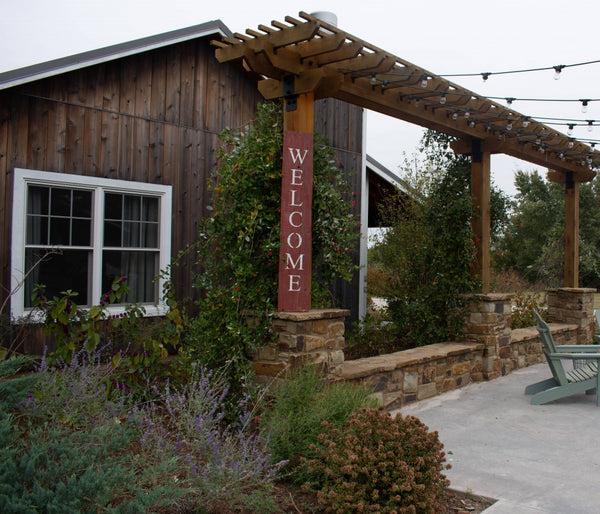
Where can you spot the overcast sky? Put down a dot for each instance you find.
(444, 37)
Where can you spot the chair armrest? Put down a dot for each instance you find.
(587, 348)
(572, 355)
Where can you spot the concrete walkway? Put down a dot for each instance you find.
(531, 458)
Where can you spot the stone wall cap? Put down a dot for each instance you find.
(360, 368)
(313, 314)
(519, 335)
(572, 290)
(492, 297)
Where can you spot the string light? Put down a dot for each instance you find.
(424, 79)
(373, 79)
(584, 105)
(590, 125)
(467, 113)
(455, 115)
(570, 131)
(557, 70)
(443, 99)
(570, 145)
(509, 125)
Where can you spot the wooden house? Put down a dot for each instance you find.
(107, 154)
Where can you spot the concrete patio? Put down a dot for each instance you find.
(532, 459)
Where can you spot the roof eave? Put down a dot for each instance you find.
(47, 69)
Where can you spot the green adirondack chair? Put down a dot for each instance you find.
(583, 379)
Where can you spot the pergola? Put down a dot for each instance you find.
(306, 59)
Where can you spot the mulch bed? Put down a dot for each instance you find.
(293, 500)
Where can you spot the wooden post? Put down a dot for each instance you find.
(295, 261)
(480, 193)
(571, 278)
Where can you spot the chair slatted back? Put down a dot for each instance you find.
(558, 372)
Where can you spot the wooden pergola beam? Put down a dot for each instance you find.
(328, 62)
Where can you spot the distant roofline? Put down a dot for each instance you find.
(74, 62)
(387, 174)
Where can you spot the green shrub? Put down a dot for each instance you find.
(301, 404)
(376, 463)
(524, 304)
(374, 335)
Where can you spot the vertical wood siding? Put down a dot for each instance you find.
(153, 117)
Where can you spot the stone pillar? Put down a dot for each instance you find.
(315, 336)
(488, 322)
(574, 306)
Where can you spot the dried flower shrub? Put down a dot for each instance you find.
(377, 463)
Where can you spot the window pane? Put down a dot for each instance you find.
(37, 230)
(132, 207)
(112, 233)
(37, 199)
(58, 272)
(131, 234)
(60, 229)
(140, 268)
(82, 203)
(150, 235)
(150, 209)
(113, 206)
(60, 202)
(81, 232)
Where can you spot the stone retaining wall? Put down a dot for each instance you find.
(404, 377)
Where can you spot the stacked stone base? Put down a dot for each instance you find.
(316, 337)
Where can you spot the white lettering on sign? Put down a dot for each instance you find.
(294, 283)
(289, 260)
(298, 239)
(293, 202)
(296, 177)
(291, 220)
(297, 157)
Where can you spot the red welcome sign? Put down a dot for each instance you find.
(295, 259)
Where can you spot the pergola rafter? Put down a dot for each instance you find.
(324, 61)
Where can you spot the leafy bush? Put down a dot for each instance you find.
(376, 463)
(523, 305)
(70, 447)
(300, 405)
(374, 335)
(238, 247)
(56, 461)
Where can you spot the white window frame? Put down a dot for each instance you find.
(24, 177)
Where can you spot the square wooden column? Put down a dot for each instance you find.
(480, 223)
(571, 277)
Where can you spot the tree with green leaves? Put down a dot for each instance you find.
(428, 250)
(533, 244)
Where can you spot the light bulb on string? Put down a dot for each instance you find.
(570, 131)
(424, 79)
(561, 156)
(472, 124)
(590, 125)
(485, 76)
(557, 71)
(510, 100)
(570, 145)
(525, 122)
(455, 115)
(373, 79)
(467, 113)
(509, 125)
(584, 106)
(443, 99)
